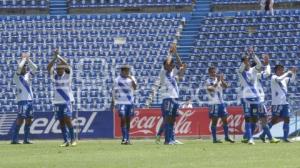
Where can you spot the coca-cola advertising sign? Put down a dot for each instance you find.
(191, 122)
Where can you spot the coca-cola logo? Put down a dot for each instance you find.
(144, 124)
(235, 124)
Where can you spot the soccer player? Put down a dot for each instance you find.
(170, 93)
(22, 79)
(214, 86)
(250, 99)
(63, 97)
(280, 104)
(261, 107)
(123, 100)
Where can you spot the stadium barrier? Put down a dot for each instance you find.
(192, 123)
(89, 125)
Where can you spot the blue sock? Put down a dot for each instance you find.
(71, 132)
(127, 134)
(64, 133)
(16, 133)
(253, 127)
(286, 130)
(26, 132)
(214, 132)
(167, 136)
(161, 129)
(123, 129)
(269, 128)
(245, 134)
(248, 129)
(226, 134)
(172, 132)
(267, 132)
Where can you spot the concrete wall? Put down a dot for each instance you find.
(254, 6)
(131, 9)
(23, 11)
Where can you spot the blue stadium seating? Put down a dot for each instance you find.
(24, 4)
(228, 2)
(126, 3)
(90, 44)
(223, 40)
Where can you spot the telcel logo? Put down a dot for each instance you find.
(46, 125)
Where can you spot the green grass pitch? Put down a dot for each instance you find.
(147, 154)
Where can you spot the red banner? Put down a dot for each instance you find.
(191, 122)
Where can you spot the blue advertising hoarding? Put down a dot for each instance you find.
(90, 124)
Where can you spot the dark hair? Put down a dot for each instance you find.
(166, 60)
(211, 68)
(244, 58)
(277, 67)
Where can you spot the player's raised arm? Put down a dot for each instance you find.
(50, 65)
(267, 71)
(294, 74)
(173, 50)
(211, 88)
(32, 65)
(245, 63)
(282, 77)
(224, 84)
(258, 62)
(22, 63)
(133, 82)
(182, 69)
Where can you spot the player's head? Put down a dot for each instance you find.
(24, 68)
(212, 71)
(169, 64)
(125, 71)
(61, 68)
(246, 60)
(279, 70)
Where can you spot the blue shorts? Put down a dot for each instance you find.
(63, 110)
(25, 109)
(169, 107)
(217, 110)
(254, 110)
(281, 110)
(125, 110)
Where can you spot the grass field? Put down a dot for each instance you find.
(146, 154)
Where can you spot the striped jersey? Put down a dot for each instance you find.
(123, 90)
(63, 88)
(215, 97)
(23, 84)
(168, 83)
(279, 87)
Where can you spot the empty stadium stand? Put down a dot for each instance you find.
(95, 46)
(24, 6)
